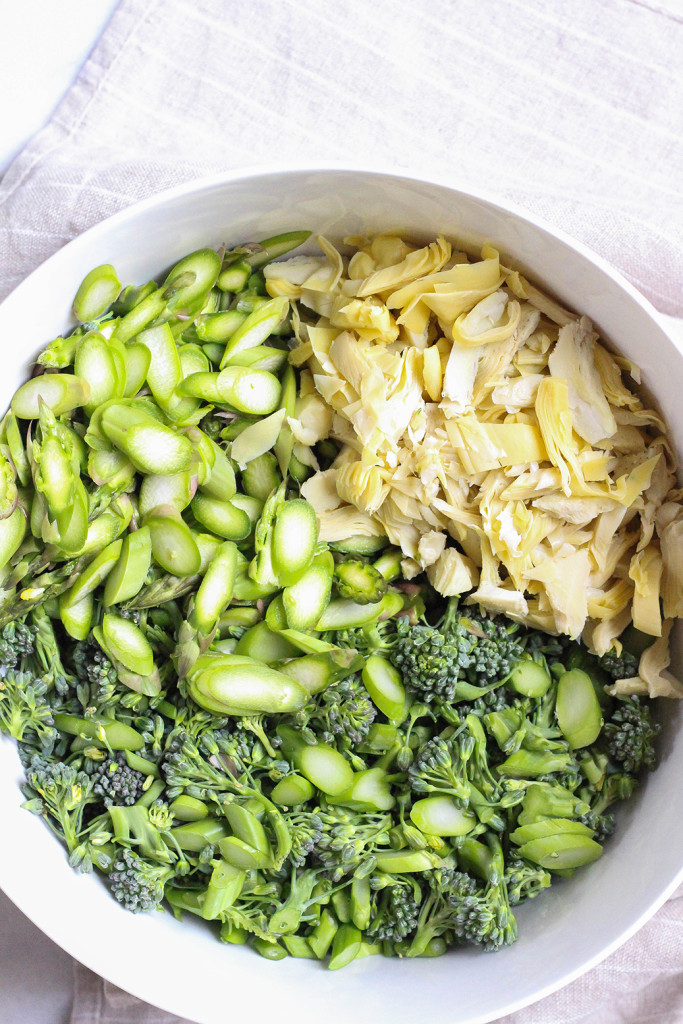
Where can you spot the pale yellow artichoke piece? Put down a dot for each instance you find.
(601, 636)
(388, 249)
(653, 679)
(431, 372)
(312, 420)
(362, 486)
(565, 582)
(347, 521)
(430, 547)
(350, 359)
(631, 485)
(288, 277)
(493, 319)
(573, 510)
(604, 532)
(646, 572)
(465, 277)
(484, 446)
(337, 392)
(499, 600)
(670, 531)
(453, 573)
(369, 318)
(320, 491)
(326, 279)
(613, 386)
(605, 604)
(555, 423)
(653, 665)
(640, 418)
(361, 265)
(497, 359)
(458, 379)
(414, 265)
(573, 360)
(523, 289)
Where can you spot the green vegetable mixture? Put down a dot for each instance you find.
(224, 716)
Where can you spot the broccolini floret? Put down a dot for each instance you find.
(619, 666)
(93, 667)
(603, 825)
(17, 641)
(25, 713)
(60, 794)
(396, 911)
(306, 829)
(187, 770)
(617, 786)
(342, 712)
(498, 647)
(440, 767)
(46, 659)
(115, 782)
(446, 892)
(630, 736)
(484, 918)
(524, 880)
(138, 883)
(433, 659)
(348, 838)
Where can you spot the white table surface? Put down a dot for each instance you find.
(42, 47)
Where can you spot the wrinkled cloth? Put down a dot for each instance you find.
(574, 111)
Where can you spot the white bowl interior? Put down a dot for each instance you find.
(182, 967)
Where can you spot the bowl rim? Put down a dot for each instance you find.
(408, 175)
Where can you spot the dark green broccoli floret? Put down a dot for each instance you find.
(494, 700)
(444, 894)
(459, 768)
(116, 782)
(524, 880)
(24, 711)
(343, 712)
(630, 734)
(187, 770)
(553, 648)
(359, 582)
(440, 767)
(456, 902)
(138, 883)
(17, 641)
(93, 667)
(602, 824)
(497, 651)
(484, 918)
(396, 911)
(619, 666)
(432, 659)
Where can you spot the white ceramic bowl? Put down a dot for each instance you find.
(182, 967)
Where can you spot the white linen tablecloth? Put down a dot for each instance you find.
(572, 110)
